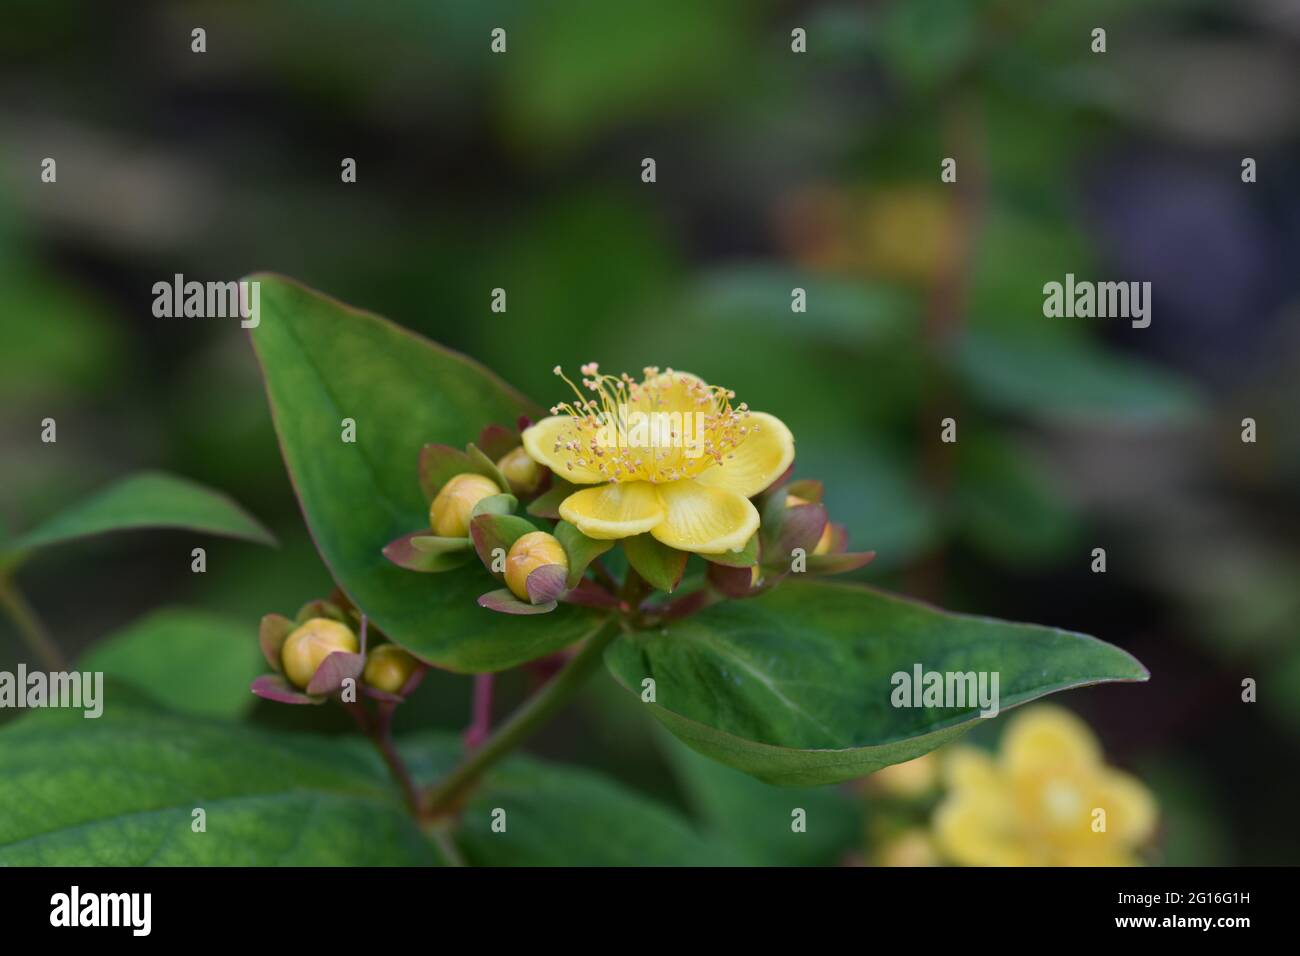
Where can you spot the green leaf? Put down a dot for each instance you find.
(659, 564)
(926, 43)
(580, 549)
(795, 686)
(495, 505)
(145, 500)
(324, 362)
(548, 504)
(746, 557)
(1074, 381)
(121, 791)
(561, 816)
(193, 661)
(754, 818)
(486, 467)
(1008, 505)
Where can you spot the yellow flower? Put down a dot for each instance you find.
(1047, 799)
(912, 847)
(912, 778)
(668, 455)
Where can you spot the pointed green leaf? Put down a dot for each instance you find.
(562, 816)
(486, 467)
(439, 464)
(547, 505)
(580, 549)
(754, 817)
(795, 686)
(324, 362)
(429, 553)
(495, 505)
(746, 557)
(193, 661)
(145, 500)
(121, 791)
(497, 532)
(659, 564)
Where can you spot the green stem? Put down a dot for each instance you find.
(29, 625)
(446, 796)
(440, 834)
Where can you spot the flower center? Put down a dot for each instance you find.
(667, 427)
(1062, 802)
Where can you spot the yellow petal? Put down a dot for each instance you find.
(613, 510)
(762, 455)
(911, 778)
(540, 442)
(971, 830)
(1047, 737)
(969, 768)
(1130, 808)
(669, 392)
(703, 519)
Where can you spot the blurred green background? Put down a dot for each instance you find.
(775, 170)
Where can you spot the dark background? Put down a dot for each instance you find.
(775, 170)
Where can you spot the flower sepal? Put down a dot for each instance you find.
(547, 505)
(746, 557)
(428, 553)
(312, 655)
(536, 566)
(504, 602)
(275, 687)
(796, 525)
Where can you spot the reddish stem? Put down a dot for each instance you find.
(481, 725)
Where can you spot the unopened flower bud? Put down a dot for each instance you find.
(310, 644)
(450, 512)
(824, 542)
(532, 551)
(388, 668)
(524, 474)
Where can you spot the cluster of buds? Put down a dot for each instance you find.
(796, 537)
(473, 496)
(541, 560)
(490, 477)
(316, 655)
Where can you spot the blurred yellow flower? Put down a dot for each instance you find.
(1046, 799)
(898, 233)
(912, 778)
(668, 455)
(912, 847)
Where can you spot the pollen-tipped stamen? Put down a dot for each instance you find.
(631, 431)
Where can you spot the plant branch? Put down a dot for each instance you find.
(446, 796)
(380, 732)
(440, 833)
(481, 720)
(29, 625)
